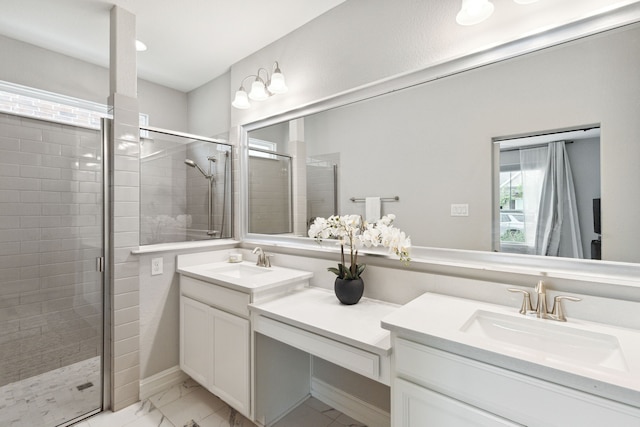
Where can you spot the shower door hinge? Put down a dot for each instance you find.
(100, 264)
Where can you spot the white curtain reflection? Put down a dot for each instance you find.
(533, 162)
(558, 231)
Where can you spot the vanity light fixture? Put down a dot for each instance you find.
(475, 11)
(261, 89)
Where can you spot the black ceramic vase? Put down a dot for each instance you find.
(349, 291)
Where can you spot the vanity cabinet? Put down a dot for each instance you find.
(435, 388)
(215, 340)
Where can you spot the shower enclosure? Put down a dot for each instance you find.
(51, 286)
(270, 198)
(185, 187)
(322, 186)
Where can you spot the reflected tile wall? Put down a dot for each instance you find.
(269, 195)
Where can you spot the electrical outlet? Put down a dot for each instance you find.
(461, 209)
(156, 266)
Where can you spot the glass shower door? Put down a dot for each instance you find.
(51, 292)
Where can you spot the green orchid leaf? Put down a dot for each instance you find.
(334, 271)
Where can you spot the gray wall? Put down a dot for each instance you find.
(209, 108)
(43, 69)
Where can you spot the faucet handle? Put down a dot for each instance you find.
(267, 260)
(526, 300)
(557, 312)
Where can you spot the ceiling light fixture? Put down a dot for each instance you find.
(474, 11)
(261, 89)
(140, 47)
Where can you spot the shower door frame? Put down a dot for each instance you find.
(104, 262)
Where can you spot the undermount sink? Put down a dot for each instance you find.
(239, 271)
(551, 341)
(245, 276)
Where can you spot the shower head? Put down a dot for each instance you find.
(193, 164)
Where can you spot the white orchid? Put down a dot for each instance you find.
(353, 231)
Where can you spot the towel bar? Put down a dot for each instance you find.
(384, 199)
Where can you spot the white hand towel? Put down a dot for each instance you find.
(372, 209)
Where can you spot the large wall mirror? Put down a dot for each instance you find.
(430, 153)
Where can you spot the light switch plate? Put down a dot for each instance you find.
(156, 266)
(460, 209)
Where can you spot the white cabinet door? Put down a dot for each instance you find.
(196, 340)
(415, 406)
(231, 359)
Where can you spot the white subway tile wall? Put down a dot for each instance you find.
(197, 190)
(270, 195)
(174, 196)
(321, 186)
(50, 236)
(125, 295)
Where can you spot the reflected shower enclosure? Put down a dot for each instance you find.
(270, 192)
(185, 188)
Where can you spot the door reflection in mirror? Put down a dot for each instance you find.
(270, 189)
(322, 186)
(546, 187)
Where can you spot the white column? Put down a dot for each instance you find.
(298, 151)
(125, 211)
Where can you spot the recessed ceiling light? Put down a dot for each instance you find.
(140, 47)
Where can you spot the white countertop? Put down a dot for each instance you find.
(318, 311)
(443, 322)
(272, 277)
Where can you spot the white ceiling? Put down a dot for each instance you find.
(190, 42)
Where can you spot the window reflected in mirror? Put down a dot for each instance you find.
(547, 187)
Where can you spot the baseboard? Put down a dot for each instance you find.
(350, 405)
(161, 381)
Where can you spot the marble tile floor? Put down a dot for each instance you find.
(51, 398)
(190, 405)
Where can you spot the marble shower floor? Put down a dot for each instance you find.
(49, 399)
(190, 405)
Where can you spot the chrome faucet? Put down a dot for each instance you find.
(557, 313)
(263, 259)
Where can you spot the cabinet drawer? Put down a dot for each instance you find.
(215, 295)
(352, 358)
(506, 393)
(416, 406)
